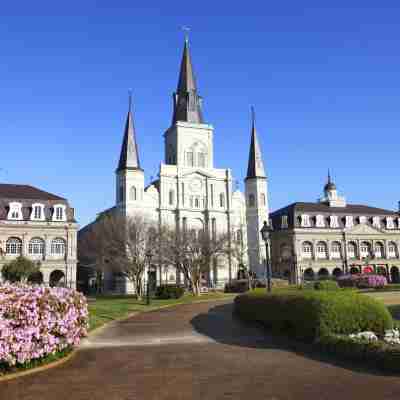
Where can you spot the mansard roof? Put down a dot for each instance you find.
(350, 209)
(25, 192)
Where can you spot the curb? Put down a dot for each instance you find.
(45, 367)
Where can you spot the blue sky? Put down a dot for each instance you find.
(324, 81)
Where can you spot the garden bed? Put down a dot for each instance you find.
(324, 320)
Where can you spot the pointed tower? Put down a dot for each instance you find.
(189, 140)
(129, 175)
(257, 210)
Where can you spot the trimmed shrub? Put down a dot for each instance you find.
(311, 314)
(326, 285)
(36, 321)
(237, 286)
(169, 292)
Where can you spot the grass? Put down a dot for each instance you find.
(103, 309)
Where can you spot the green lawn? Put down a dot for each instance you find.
(103, 309)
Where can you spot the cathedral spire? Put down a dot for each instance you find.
(129, 157)
(255, 168)
(187, 103)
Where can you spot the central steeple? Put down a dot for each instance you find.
(187, 102)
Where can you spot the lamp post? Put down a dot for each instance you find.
(149, 256)
(265, 231)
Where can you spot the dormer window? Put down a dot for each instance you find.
(284, 222)
(305, 220)
(319, 221)
(37, 212)
(389, 223)
(15, 212)
(59, 213)
(363, 219)
(349, 221)
(376, 222)
(334, 222)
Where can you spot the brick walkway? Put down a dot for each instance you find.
(195, 351)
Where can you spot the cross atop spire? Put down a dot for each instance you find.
(129, 157)
(255, 168)
(187, 102)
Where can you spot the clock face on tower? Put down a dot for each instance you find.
(196, 185)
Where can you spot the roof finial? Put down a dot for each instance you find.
(329, 176)
(129, 100)
(186, 30)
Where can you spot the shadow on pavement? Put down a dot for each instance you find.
(220, 324)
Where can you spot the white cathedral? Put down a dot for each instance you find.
(190, 191)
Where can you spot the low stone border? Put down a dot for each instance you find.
(44, 367)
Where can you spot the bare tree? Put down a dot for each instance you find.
(119, 245)
(93, 247)
(191, 252)
(239, 253)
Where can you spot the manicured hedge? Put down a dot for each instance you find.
(237, 286)
(308, 315)
(326, 285)
(169, 292)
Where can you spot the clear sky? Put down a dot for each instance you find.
(325, 82)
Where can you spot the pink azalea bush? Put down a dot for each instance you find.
(36, 321)
(362, 281)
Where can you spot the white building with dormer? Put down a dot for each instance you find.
(331, 237)
(40, 226)
(191, 192)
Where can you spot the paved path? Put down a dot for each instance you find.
(195, 352)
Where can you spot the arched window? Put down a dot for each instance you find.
(14, 246)
(392, 250)
(365, 249)
(171, 197)
(336, 250)
(196, 202)
(307, 250)
(36, 246)
(252, 200)
(221, 200)
(133, 193)
(189, 159)
(379, 250)
(308, 274)
(58, 247)
(322, 250)
(323, 273)
(201, 159)
(263, 199)
(351, 250)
